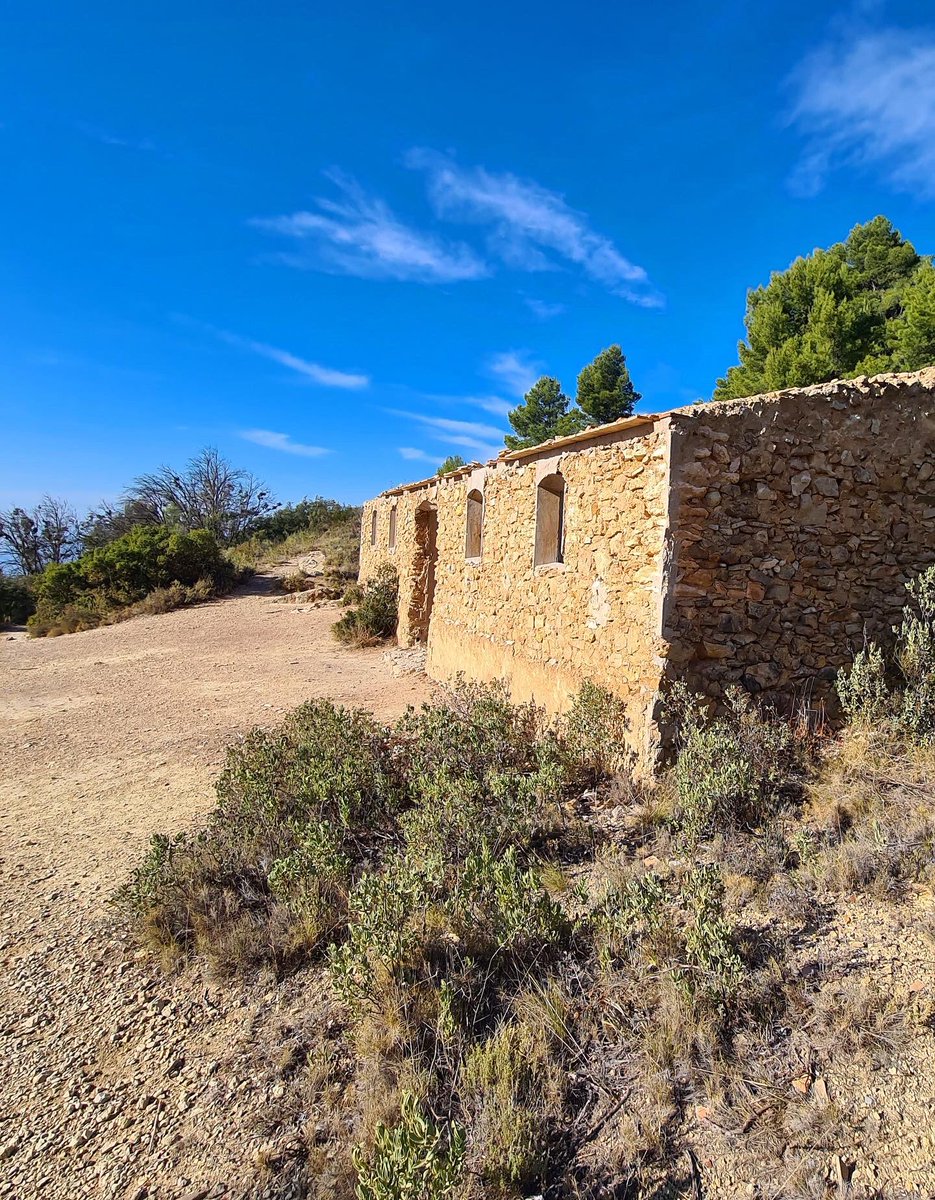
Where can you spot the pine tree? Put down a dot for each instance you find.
(914, 335)
(540, 416)
(835, 314)
(605, 390)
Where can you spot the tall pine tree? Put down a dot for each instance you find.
(605, 389)
(540, 416)
(860, 307)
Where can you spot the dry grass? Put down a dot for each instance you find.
(584, 1006)
(871, 815)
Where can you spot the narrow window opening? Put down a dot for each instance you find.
(393, 528)
(373, 528)
(474, 528)
(550, 520)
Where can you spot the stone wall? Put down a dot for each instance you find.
(755, 542)
(595, 616)
(798, 519)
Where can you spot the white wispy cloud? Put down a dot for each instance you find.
(530, 225)
(283, 442)
(515, 370)
(492, 404)
(326, 376)
(866, 99)
(360, 235)
(495, 405)
(485, 440)
(411, 452)
(106, 138)
(542, 309)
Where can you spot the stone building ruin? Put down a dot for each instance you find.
(754, 542)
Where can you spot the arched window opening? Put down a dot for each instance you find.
(393, 527)
(373, 528)
(474, 526)
(550, 520)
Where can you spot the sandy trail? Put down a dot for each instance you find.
(106, 737)
(110, 735)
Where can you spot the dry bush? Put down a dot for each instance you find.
(510, 977)
(297, 581)
(376, 613)
(871, 814)
(513, 1087)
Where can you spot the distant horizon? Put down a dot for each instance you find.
(339, 246)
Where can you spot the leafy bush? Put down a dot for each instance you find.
(907, 705)
(150, 569)
(731, 770)
(480, 769)
(489, 911)
(266, 880)
(297, 581)
(863, 691)
(150, 557)
(382, 936)
(312, 881)
(324, 762)
(503, 972)
(411, 1160)
(16, 601)
(596, 730)
(675, 923)
(307, 516)
(916, 657)
(376, 613)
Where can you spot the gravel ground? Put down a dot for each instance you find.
(123, 1082)
(120, 1081)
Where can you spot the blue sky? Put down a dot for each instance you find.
(337, 242)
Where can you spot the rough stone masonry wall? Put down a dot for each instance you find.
(798, 519)
(596, 616)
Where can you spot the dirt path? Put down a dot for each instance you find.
(106, 737)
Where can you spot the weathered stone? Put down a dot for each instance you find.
(694, 545)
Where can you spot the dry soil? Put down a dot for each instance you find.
(119, 1082)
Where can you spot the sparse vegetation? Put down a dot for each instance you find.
(149, 570)
(16, 600)
(321, 525)
(518, 979)
(373, 610)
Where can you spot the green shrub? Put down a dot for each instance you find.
(480, 769)
(863, 690)
(266, 879)
(426, 919)
(151, 557)
(307, 516)
(870, 700)
(49, 621)
(595, 730)
(324, 762)
(147, 880)
(916, 657)
(731, 770)
(150, 569)
(312, 881)
(498, 908)
(383, 934)
(16, 601)
(376, 613)
(411, 1160)
(676, 924)
(297, 581)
